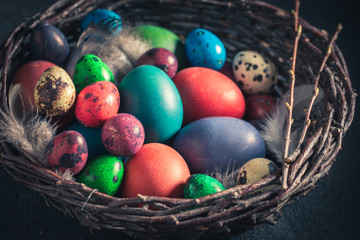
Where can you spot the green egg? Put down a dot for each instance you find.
(89, 69)
(104, 173)
(160, 37)
(200, 185)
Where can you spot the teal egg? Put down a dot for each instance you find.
(89, 69)
(104, 173)
(201, 185)
(150, 95)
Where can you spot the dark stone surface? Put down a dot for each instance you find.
(331, 211)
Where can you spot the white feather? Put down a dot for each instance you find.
(273, 128)
(119, 52)
(27, 133)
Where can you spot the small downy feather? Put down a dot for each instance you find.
(273, 128)
(119, 52)
(29, 133)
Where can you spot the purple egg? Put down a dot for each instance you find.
(161, 58)
(123, 135)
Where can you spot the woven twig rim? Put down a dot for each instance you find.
(240, 25)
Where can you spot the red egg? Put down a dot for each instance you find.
(96, 103)
(161, 58)
(67, 151)
(155, 170)
(258, 107)
(27, 76)
(123, 135)
(208, 93)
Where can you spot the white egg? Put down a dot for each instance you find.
(254, 73)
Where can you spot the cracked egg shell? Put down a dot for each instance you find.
(254, 73)
(67, 151)
(254, 170)
(54, 92)
(104, 173)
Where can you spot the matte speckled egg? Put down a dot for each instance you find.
(93, 139)
(161, 58)
(207, 93)
(155, 170)
(104, 173)
(106, 20)
(89, 69)
(258, 106)
(48, 43)
(218, 143)
(201, 185)
(160, 37)
(54, 92)
(151, 96)
(67, 151)
(123, 135)
(96, 103)
(254, 170)
(204, 49)
(254, 73)
(27, 76)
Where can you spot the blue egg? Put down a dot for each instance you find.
(205, 49)
(218, 143)
(93, 139)
(105, 20)
(48, 43)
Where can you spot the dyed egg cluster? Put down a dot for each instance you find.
(172, 120)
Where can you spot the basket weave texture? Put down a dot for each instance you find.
(243, 24)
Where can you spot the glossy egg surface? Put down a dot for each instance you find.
(255, 169)
(201, 185)
(106, 20)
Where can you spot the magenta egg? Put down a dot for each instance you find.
(161, 58)
(258, 106)
(67, 151)
(123, 135)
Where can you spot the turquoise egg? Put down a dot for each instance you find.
(149, 94)
(103, 173)
(89, 69)
(201, 185)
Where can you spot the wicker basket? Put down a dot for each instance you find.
(242, 24)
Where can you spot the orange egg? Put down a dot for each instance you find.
(155, 170)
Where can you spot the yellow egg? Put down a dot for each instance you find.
(54, 92)
(254, 170)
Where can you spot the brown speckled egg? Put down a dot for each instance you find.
(54, 92)
(254, 73)
(254, 170)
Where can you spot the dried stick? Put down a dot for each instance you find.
(298, 30)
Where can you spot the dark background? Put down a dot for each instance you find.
(331, 211)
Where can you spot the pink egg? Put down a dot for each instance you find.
(67, 151)
(161, 58)
(123, 135)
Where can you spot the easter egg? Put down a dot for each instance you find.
(201, 185)
(48, 43)
(254, 170)
(96, 103)
(89, 69)
(155, 170)
(254, 73)
(206, 93)
(160, 37)
(123, 135)
(67, 151)
(54, 92)
(104, 173)
(205, 49)
(161, 58)
(108, 21)
(258, 106)
(151, 96)
(218, 143)
(93, 139)
(27, 76)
